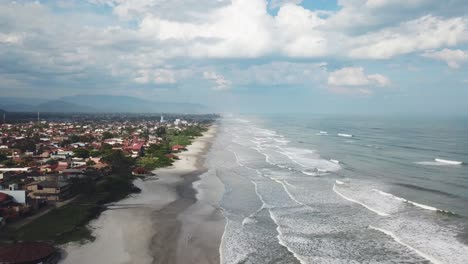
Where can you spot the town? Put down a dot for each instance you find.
(59, 171)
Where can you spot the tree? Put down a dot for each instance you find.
(90, 163)
(26, 145)
(3, 157)
(161, 131)
(107, 135)
(9, 163)
(119, 163)
(74, 138)
(81, 153)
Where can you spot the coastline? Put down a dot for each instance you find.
(162, 224)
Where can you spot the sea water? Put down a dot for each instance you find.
(298, 191)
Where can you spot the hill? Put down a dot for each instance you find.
(98, 103)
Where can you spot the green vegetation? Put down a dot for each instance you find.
(107, 135)
(81, 153)
(3, 157)
(120, 164)
(184, 137)
(151, 163)
(64, 224)
(68, 223)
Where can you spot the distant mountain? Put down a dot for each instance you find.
(98, 103)
(113, 103)
(62, 106)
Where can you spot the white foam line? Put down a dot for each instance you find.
(285, 181)
(339, 182)
(290, 195)
(354, 201)
(423, 206)
(281, 242)
(398, 240)
(427, 207)
(221, 245)
(237, 158)
(285, 153)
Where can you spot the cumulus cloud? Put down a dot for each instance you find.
(453, 58)
(353, 79)
(421, 34)
(160, 42)
(220, 82)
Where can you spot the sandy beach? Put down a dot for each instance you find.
(175, 219)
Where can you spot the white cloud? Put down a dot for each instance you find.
(424, 33)
(278, 3)
(453, 58)
(10, 38)
(353, 79)
(168, 41)
(220, 82)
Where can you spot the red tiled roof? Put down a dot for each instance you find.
(26, 252)
(4, 197)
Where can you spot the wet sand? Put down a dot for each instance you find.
(170, 221)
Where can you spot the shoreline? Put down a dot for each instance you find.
(157, 225)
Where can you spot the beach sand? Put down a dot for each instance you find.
(175, 219)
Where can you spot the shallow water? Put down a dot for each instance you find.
(295, 194)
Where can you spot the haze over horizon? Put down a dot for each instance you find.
(345, 56)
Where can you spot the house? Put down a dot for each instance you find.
(171, 156)
(62, 165)
(177, 148)
(137, 149)
(52, 191)
(73, 173)
(18, 196)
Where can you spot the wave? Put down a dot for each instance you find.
(451, 162)
(439, 162)
(355, 201)
(398, 240)
(309, 159)
(278, 230)
(339, 182)
(282, 242)
(345, 135)
(335, 161)
(423, 206)
(419, 188)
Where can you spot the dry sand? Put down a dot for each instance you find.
(170, 221)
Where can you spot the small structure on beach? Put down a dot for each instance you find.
(29, 253)
(139, 171)
(177, 148)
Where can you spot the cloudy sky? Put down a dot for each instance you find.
(364, 56)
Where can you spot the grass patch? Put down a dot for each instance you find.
(69, 222)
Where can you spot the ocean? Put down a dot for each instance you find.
(341, 189)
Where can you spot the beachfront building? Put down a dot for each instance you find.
(52, 191)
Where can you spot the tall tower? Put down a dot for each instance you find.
(38, 118)
(4, 118)
(162, 119)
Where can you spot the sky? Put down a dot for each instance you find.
(313, 56)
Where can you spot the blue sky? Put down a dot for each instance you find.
(344, 56)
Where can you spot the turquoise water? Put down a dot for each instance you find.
(398, 152)
(322, 189)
